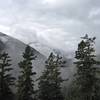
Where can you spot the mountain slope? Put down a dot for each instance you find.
(15, 48)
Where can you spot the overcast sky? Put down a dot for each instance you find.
(53, 23)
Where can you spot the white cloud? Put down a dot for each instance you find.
(94, 13)
(54, 23)
(4, 29)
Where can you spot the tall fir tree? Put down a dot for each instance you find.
(50, 80)
(25, 89)
(6, 79)
(86, 80)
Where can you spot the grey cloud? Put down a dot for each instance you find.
(54, 23)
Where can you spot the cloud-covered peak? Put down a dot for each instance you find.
(53, 23)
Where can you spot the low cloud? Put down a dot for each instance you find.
(53, 23)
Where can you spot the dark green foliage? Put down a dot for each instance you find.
(25, 82)
(50, 81)
(86, 80)
(6, 79)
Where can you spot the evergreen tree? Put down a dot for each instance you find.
(50, 81)
(6, 79)
(25, 81)
(86, 80)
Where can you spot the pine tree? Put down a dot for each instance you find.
(25, 81)
(50, 80)
(6, 79)
(86, 80)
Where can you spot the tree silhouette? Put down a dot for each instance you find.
(6, 79)
(25, 82)
(50, 81)
(86, 80)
